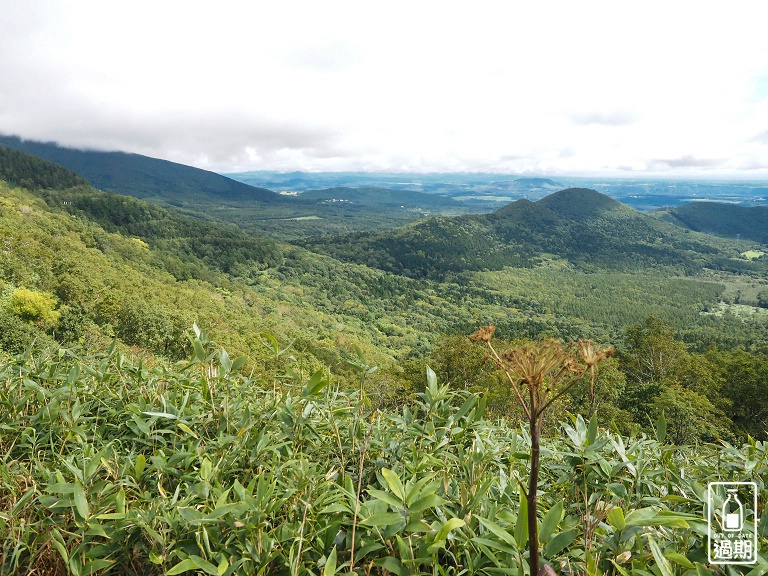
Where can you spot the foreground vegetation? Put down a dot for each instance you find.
(132, 445)
(111, 466)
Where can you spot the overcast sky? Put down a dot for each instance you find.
(547, 87)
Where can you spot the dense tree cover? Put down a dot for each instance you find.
(35, 173)
(726, 220)
(601, 234)
(187, 245)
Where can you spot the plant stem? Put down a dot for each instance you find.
(533, 484)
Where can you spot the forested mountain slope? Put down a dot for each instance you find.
(142, 176)
(727, 220)
(587, 229)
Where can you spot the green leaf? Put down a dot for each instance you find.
(661, 561)
(641, 517)
(384, 519)
(161, 415)
(120, 502)
(315, 384)
(81, 502)
(23, 500)
(429, 501)
(616, 518)
(521, 526)
(495, 545)
(194, 563)
(58, 543)
(205, 469)
(386, 497)
(96, 565)
(205, 389)
(592, 430)
(224, 360)
(139, 465)
(445, 529)
(199, 352)
(497, 530)
(394, 483)
(661, 430)
(330, 564)
(678, 558)
(239, 363)
(551, 521)
(393, 565)
(559, 543)
(431, 379)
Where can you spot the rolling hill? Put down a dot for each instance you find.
(582, 226)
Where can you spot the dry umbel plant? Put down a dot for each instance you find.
(540, 373)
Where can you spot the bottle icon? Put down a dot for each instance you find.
(732, 512)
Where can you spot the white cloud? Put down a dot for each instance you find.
(548, 86)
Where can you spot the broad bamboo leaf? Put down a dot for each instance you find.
(495, 544)
(661, 561)
(81, 502)
(95, 565)
(224, 360)
(616, 518)
(678, 558)
(551, 521)
(161, 415)
(429, 501)
(394, 483)
(139, 465)
(521, 526)
(592, 430)
(445, 529)
(431, 379)
(330, 564)
(315, 384)
(199, 352)
(559, 543)
(239, 363)
(386, 497)
(497, 530)
(23, 500)
(641, 517)
(384, 519)
(393, 565)
(661, 430)
(194, 563)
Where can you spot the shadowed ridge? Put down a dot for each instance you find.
(142, 176)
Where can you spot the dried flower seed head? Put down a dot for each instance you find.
(531, 363)
(591, 355)
(483, 334)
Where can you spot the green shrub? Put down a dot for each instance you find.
(34, 307)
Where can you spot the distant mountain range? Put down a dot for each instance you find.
(578, 224)
(143, 177)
